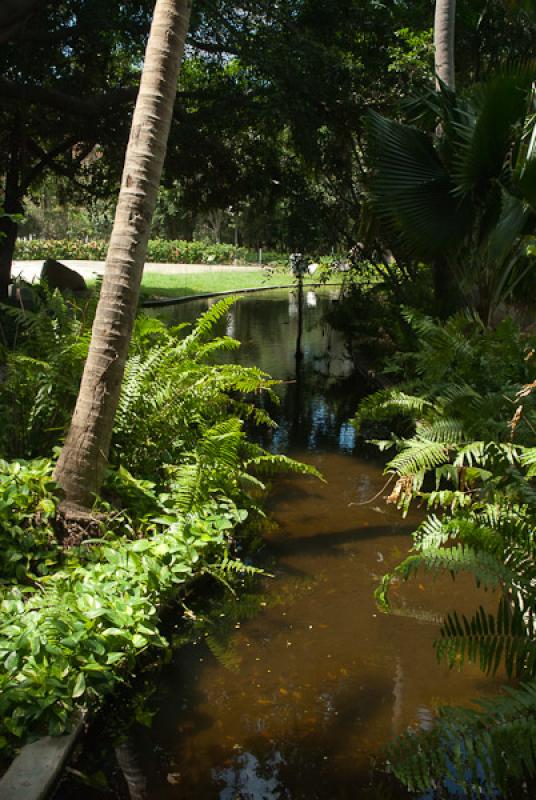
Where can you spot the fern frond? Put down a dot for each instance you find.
(488, 571)
(445, 430)
(419, 455)
(474, 751)
(487, 639)
(270, 464)
(387, 403)
(206, 323)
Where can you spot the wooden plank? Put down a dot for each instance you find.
(34, 772)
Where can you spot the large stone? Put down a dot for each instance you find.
(58, 276)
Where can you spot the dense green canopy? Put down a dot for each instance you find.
(271, 107)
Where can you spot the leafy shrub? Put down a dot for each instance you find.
(160, 251)
(28, 505)
(173, 391)
(458, 371)
(70, 643)
(182, 478)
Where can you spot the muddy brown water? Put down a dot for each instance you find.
(300, 697)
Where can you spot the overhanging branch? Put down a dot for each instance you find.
(13, 15)
(83, 106)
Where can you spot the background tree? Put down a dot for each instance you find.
(444, 31)
(271, 110)
(69, 76)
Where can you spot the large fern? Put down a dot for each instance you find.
(175, 390)
(42, 372)
(470, 457)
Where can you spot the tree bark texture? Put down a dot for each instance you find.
(83, 459)
(444, 29)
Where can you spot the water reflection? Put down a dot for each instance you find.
(248, 778)
(319, 391)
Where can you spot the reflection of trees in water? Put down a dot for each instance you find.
(314, 412)
(315, 398)
(128, 760)
(305, 763)
(318, 396)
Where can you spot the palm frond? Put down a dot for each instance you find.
(410, 189)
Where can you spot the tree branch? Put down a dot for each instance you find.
(13, 14)
(47, 159)
(212, 47)
(86, 107)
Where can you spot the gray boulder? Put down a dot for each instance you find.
(58, 276)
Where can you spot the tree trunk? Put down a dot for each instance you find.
(444, 290)
(11, 204)
(8, 239)
(83, 459)
(444, 28)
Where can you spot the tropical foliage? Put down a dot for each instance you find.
(464, 196)
(468, 455)
(81, 602)
(75, 635)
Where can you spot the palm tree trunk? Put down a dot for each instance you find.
(83, 459)
(444, 28)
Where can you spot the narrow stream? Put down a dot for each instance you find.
(300, 696)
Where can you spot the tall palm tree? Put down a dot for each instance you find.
(444, 28)
(83, 459)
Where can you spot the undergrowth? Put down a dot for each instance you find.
(468, 454)
(79, 605)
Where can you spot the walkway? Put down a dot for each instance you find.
(30, 270)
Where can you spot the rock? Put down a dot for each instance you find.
(58, 276)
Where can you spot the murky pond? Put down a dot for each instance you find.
(300, 696)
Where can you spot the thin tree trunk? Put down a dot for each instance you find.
(11, 204)
(444, 29)
(83, 459)
(8, 239)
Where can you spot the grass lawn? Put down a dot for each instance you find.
(156, 284)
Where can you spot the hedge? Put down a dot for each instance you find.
(160, 251)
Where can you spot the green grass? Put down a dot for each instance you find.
(156, 284)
